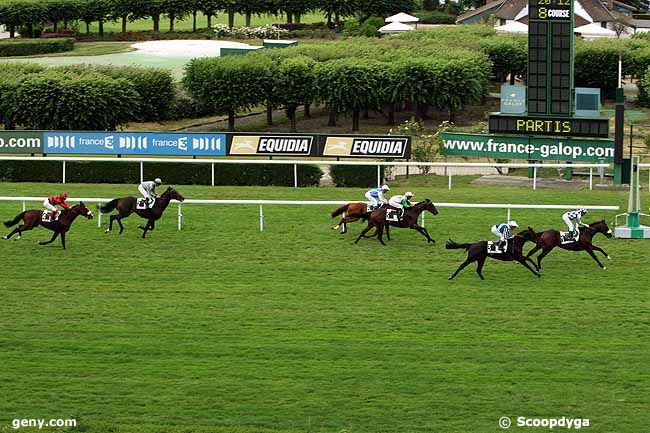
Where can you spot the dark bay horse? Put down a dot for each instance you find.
(127, 205)
(32, 218)
(477, 252)
(377, 219)
(550, 239)
(351, 212)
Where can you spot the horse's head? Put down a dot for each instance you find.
(528, 234)
(172, 194)
(601, 227)
(428, 205)
(81, 209)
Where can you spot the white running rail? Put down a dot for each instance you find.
(262, 203)
(296, 163)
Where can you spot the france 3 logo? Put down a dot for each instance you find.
(127, 143)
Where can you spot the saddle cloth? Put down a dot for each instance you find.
(493, 248)
(47, 217)
(392, 215)
(566, 239)
(141, 204)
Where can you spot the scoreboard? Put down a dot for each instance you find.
(555, 126)
(550, 57)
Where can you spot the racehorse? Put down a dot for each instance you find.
(478, 252)
(550, 239)
(360, 209)
(409, 220)
(127, 205)
(33, 218)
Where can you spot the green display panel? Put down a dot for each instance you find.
(550, 57)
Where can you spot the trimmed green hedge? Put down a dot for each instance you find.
(436, 17)
(644, 89)
(357, 176)
(28, 47)
(180, 174)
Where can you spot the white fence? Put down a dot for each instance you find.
(262, 203)
(645, 166)
(296, 163)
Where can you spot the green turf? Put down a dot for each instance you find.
(221, 328)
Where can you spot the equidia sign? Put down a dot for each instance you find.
(367, 147)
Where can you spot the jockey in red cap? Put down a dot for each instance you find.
(51, 203)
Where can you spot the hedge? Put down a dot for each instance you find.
(436, 17)
(644, 89)
(355, 176)
(178, 174)
(28, 47)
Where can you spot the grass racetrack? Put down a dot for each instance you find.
(222, 328)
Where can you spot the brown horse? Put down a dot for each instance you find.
(351, 212)
(550, 239)
(478, 252)
(409, 220)
(33, 218)
(127, 205)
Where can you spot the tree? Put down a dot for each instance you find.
(430, 5)
(121, 10)
(210, 8)
(94, 10)
(147, 9)
(335, 10)
(295, 85)
(57, 11)
(175, 9)
(383, 8)
(248, 8)
(294, 9)
(230, 84)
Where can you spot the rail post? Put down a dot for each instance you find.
(99, 217)
(24, 206)
(508, 214)
(63, 171)
(261, 218)
(449, 181)
(535, 178)
(141, 171)
(180, 217)
(295, 175)
(591, 179)
(212, 168)
(378, 176)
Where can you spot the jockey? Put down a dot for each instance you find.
(376, 197)
(575, 216)
(503, 231)
(401, 202)
(50, 203)
(148, 190)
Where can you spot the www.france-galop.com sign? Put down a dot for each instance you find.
(530, 148)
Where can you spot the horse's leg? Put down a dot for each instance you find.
(146, 228)
(387, 226)
(363, 232)
(380, 234)
(595, 248)
(479, 267)
(13, 232)
(110, 224)
(63, 239)
(426, 233)
(593, 256)
(533, 251)
(54, 236)
(460, 268)
(423, 232)
(541, 256)
(24, 228)
(521, 259)
(119, 221)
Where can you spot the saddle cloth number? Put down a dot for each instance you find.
(565, 238)
(493, 248)
(391, 215)
(143, 204)
(47, 216)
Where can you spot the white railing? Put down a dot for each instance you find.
(296, 163)
(646, 165)
(262, 203)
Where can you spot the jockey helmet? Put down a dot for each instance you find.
(513, 223)
(64, 196)
(583, 210)
(409, 194)
(157, 181)
(385, 188)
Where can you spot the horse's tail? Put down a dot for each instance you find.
(109, 207)
(340, 210)
(15, 221)
(451, 245)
